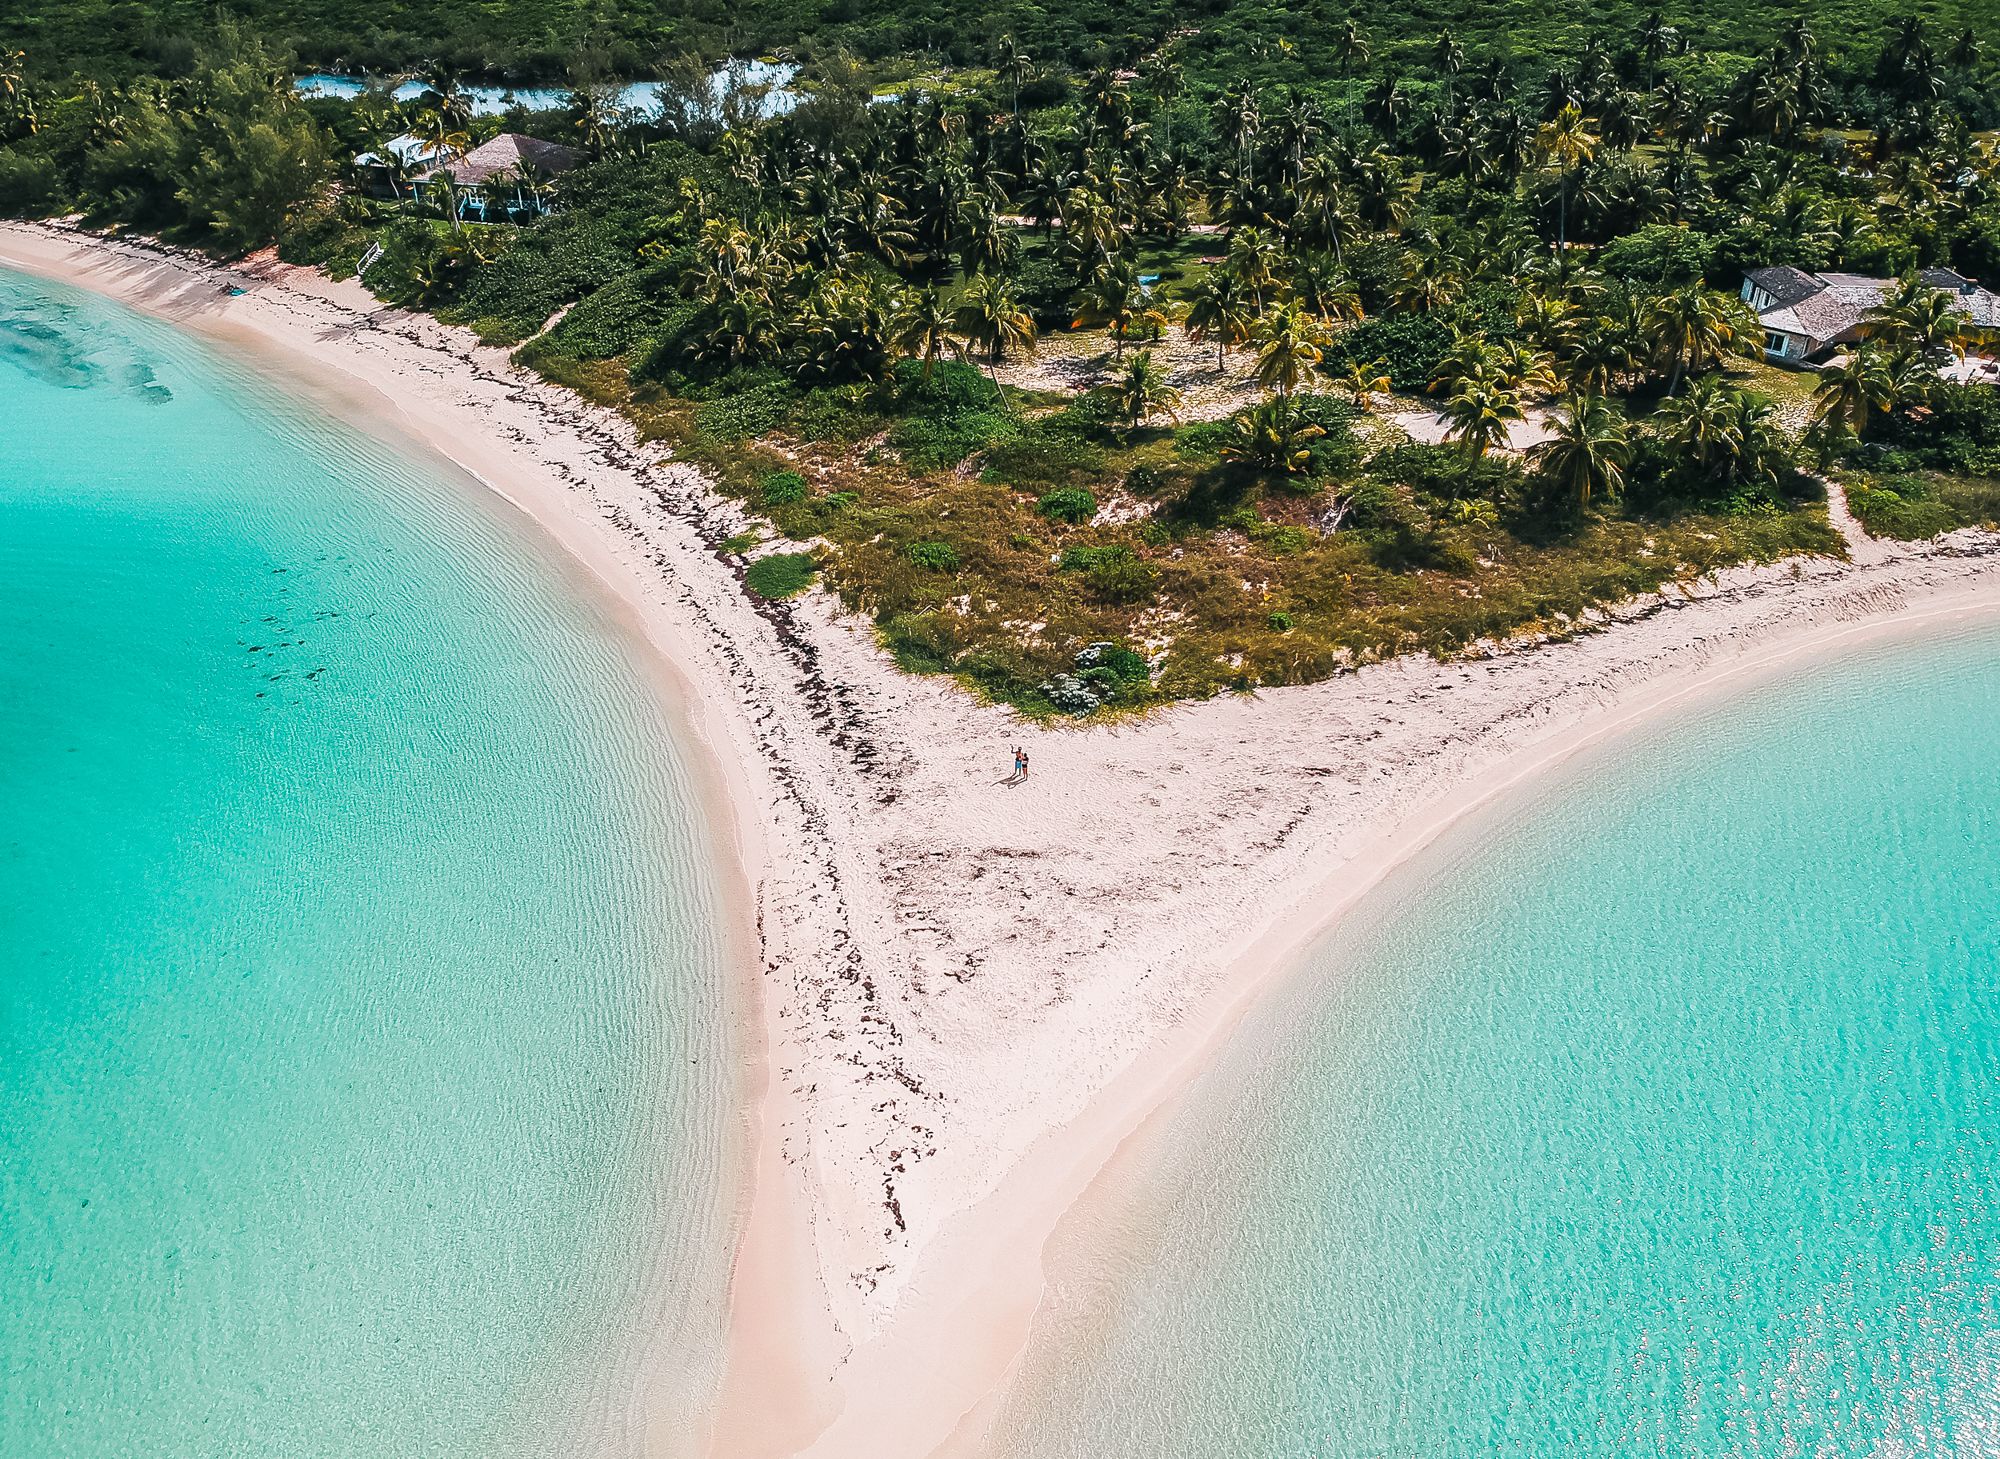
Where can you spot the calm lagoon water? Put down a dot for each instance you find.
(641, 98)
(365, 1080)
(1656, 1114)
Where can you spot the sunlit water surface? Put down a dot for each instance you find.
(364, 1070)
(1655, 1114)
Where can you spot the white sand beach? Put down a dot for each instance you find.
(973, 994)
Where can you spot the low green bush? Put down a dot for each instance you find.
(1447, 473)
(744, 415)
(548, 266)
(1410, 345)
(937, 556)
(1070, 504)
(1903, 507)
(782, 489)
(29, 185)
(781, 575)
(1082, 559)
(1113, 573)
(620, 316)
(938, 443)
(954, 388)
(1203, 440)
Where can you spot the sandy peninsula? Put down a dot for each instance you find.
(970, 994)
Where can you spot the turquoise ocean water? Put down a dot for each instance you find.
(365, 1077)
(1655, 1114)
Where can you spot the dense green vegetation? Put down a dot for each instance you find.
(1096, 388)
(1258, 40)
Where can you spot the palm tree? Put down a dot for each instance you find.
(1291, 342)
(1850, 391)
(1253, 260)
(1384, 190)
(1656, 38)
(1601, 356)
(1588, 451)
(1566, 143)
(446, 198)
(1272, 437)
(742, 327)
(1327, 216)
(444, 93)
(1908, 48)
(1479, 411)
(1143, 390)
(1431, 281)
(13, 95)
(1449, 57)
(1693, 327)
(1220, 311)
(443, 136)
(1350, 48)
(1388, 103)
(1364, 383)
(1015, 66)
(1116, 299)
(990, 317)
(1924, 321)
(1297, 124)
(1236, 117)
(982, 240)
(1323, 289)
(921, 327)
(1704, 425)
(398, 165)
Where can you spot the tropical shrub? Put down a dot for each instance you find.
(780, 575)
(937, 443)
(1070, 504)
(1447, 473)
(618, 317)
(782, 489)
(1659, 256)
(1409, 346)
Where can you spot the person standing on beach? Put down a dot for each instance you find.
(1021, 763)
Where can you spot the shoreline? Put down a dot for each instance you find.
(564, 537)
(1286, 969)
(970, 1001)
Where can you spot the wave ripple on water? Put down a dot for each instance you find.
(366, 1078)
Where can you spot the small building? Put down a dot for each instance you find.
(505, 175)
(1805, 315)
(388, 171)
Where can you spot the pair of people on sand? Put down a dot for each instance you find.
(1020, 766)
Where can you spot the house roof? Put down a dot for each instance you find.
(1785, 285)
(1833, 312)
(1950, 280)
(511, 153)
(1831, 305)
(409, 149)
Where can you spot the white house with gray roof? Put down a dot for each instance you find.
(1806, 315)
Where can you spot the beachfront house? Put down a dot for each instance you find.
(505, 177)
(1806, 316)
(391, 170)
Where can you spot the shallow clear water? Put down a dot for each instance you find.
(364, 1070)
(1656, 1114)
